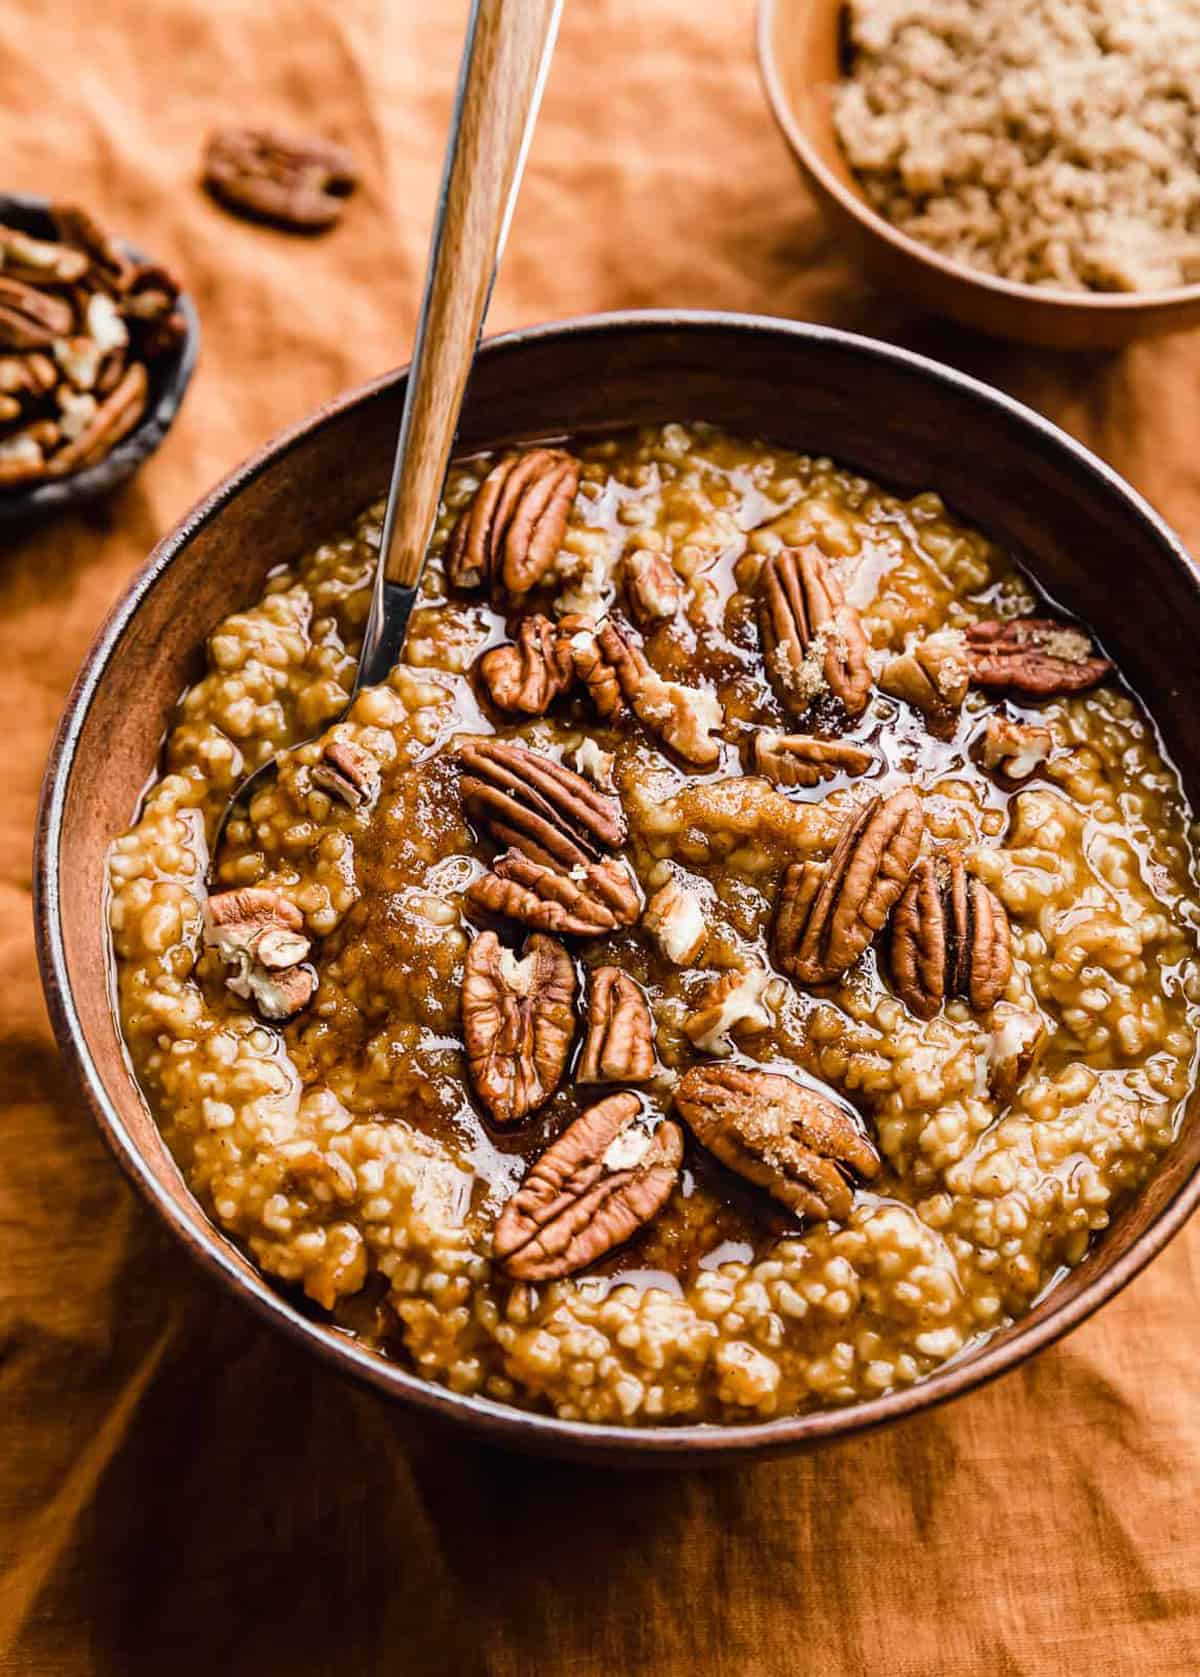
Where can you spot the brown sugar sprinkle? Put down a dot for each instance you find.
(974, 1071)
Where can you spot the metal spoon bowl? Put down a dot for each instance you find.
(506, 57)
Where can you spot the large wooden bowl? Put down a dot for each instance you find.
(916, 425)
(800, 52)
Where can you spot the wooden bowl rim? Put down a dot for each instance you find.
(503, 1424)
(1051, 299)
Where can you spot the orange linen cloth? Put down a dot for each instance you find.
(180, 1491)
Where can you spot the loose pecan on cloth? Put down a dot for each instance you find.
(508, 538)
(619, 1045)
(1034, 655)
(827, 914)
(259, 935)
(605, 1177)
(589, 900)
(619, 678)
(518, 1021)
(813, 639)
(537, 806)
(295, 182)
(950, 938)
(804, 760)
(782, 1135)
(525, 676)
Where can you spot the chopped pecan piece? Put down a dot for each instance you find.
(796, 1143)
(604, 1178)
(950, 937)
(347, 773)
(612, 666)
(932, 677)
(652, 589)
(593, 898)
(1017, 1039)
(518, 1019)
(802, 760)
(619, 1046)
(732, 1002)
(541, 808)
(594, 762)
(294, 183)
(526, 676)
(259, 934)
(813, 638)
(1014, 750)
(826, 916)
(674, 918)
(509, 536)
(1035, 655)
(115, 418)
(32, 319)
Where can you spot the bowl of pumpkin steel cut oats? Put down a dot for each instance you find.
(737, 981)
(1028, 167)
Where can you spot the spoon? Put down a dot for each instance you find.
(505, 59)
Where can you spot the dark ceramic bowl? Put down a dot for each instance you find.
(907, 421)
(169, 378)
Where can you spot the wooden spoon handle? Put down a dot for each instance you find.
(505, 60)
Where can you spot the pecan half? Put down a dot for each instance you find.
(109, 265)
(509, 536)
(619, 1046)
(813, 638)
(950, 937)
(932, 677)
(604, 1178)
(518, 1019)
(803, 760)
(796, 1143)
(526, 676)
(617, 674)
(115, 418)
(39, 261)
(29, 375)
(826, 916)
(347, 773)
(1034, 655)
(652, 590)
(32, 319)
(675, 919)
(732, 1002)
(593, 898)
(1014, 750)
(293, 182)
(541, 808)
(259, 934)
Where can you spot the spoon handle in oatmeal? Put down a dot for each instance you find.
(505, 60)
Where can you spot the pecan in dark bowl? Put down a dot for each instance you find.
(135, 399)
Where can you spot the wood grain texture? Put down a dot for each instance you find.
(504, 66)
(182, 1491)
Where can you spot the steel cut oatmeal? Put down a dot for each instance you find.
(737, 962)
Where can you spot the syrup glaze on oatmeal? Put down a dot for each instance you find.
(345, 1150)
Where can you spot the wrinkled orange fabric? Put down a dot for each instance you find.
(182, 1492)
